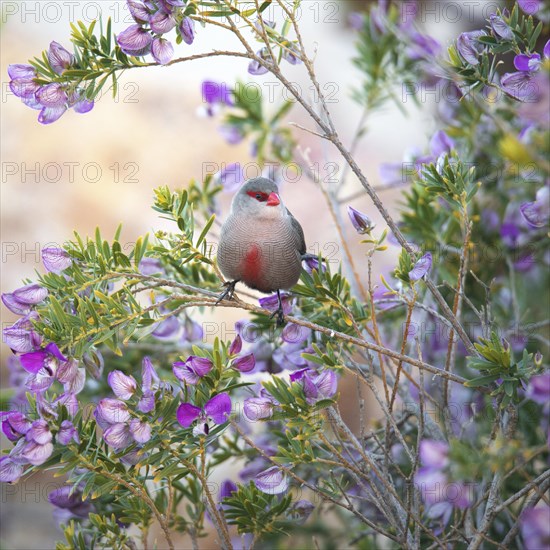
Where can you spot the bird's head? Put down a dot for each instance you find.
(258, 197)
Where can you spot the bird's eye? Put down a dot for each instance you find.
(260, 197)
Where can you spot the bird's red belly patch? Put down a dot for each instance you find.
(251, 269)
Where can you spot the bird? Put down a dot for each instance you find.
(261, 243)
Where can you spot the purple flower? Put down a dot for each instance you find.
(140, 431)
(259, 408)
(187, 30)
(500, 27)
(257, 69)
(162, 50)
(216, 92)
(301, 510)
(295, 334)
(22, 81)
(246, 363)
(434, 454)
(291, 54)
(51, 114)
(139, 11)
(20, 336)
(47, 358)
(313, 263)
(150, 266)
(271, 303)
(316, 386)
(236, 345)
(14, 425)
(356, 20)
(423, 46)
(527, 62)
(10, 470)
(227, 488)
(60, 59)
(52, 95)
(271, 481)
(56, 260)
(69, 503)
(539, 389)
(535, 527)
(441, 143)
(162, 22)
(135, 41)
(118, 436)
(421, 267)
(38, 447)
(67, 433)
(169, 329)
(530, 7)
(123, 386)
(21, 300)
(520, 85)
(111, 411)
(192, 331)
(193, 369)
(469, 47)
(231, 177)
(361, 222)
(537, 213)
(231, 133)
(216, 410)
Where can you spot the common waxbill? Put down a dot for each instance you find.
(261, 243)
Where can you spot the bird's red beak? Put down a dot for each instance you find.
(273, 199)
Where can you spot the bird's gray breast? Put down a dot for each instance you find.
(263, 254)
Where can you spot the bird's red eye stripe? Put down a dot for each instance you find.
(260, 196)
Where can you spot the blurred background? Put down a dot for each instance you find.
(99, 169)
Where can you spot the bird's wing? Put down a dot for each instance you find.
(300, 239)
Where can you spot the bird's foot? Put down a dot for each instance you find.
(280, 316)
(228, 292)
(279, 312)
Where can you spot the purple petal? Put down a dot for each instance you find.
(111, 411)
(310, 389)
(148, 374)
(434, 454)
(256, 408)
(231, 177)
(421, 267)
(123, 386)
(236, 345)
(67, 433)
(441, 143)
(356, 20)
(546, 50)
(69, 401)
(201, 365)
(150, 266)
(83, 106)
(184, 372)
(169, 329)
(431, 484)
(14, 305)
(56, 260)
(67, 371)
(187, 30)
(216, 92)
(21, 72)
(162, 50)
(271, 481)
(37, 454)
(299, 374)
(39, 432)
(500, 27)
(52, 95)
(526, 62)
(34, 361)
(535, 527)
(187, 414)
(246, 363)
(141, 431)
(134, 40)
(219, 408)
(147, 403)
(232, 134)
(60, 59)
(76, 384)
(534, 214)
(51, 114)
(138, 11)
(9, 470)
(520, 85)
(21, 337)
(255, 68)
(162, 22)
(327, 383)
(227, 488)
(539, 388)
(468, 46)
(31, 294)
(361, 222)
(40, 381)
(32, 103)
(271, 303)
(65, 497)
(53, 350)
(118, 436)
(192, 331)
(25, 89)
(295, 334)
(530, 7)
